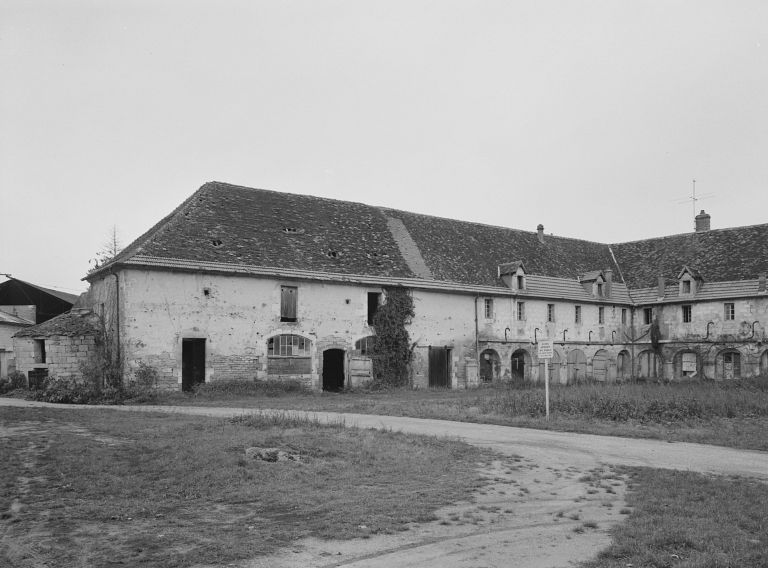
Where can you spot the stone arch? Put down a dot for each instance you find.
(600, 361)
(623, 365)
(577, 366)
(728, 364)
(687, 364)
(521, 365)
(490, 366)
(649, 365)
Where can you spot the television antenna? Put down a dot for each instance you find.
(693, 198)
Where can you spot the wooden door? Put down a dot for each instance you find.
(438, 367)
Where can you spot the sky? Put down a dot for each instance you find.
(592, 118)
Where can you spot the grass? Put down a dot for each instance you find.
(733, 413)
(688, 520)
(96, 488)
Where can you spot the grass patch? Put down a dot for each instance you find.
(89, 488)
(689, 520)
(733, 413)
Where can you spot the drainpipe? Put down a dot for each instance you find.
(117, 318)
(753, 329)
(477, 334)
(564, 331)
(589, 338)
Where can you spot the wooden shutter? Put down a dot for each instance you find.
(288, 303)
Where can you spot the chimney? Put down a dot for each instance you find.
(761, 284)
(540, 231)
(608, 273)
(702, 222)
(662, 286)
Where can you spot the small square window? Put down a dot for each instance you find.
(521, 311)
(687, 309)
(488, 308)
(730, 311)
(550, 312)
(577, 314)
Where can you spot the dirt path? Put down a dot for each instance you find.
(552, 500)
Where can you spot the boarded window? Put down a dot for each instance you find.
(288, 303)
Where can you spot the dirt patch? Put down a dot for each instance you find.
(528, 514)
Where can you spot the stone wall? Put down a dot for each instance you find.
(64, 355)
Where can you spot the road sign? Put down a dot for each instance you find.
(546, 348)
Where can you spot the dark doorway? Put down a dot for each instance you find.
(518, 365)
(192, 363)
(439, 358)
(333, 369)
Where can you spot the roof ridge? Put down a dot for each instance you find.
(691, 233)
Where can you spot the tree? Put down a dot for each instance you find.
(109, 250)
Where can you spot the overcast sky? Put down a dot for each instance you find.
(590, 117)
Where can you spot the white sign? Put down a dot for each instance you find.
(546, 348)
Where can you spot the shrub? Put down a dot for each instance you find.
(254, 388)
(15, 380)
(67, 391)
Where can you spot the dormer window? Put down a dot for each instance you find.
(690, 281)
(600, 289)
(520, 282)
(686, 287)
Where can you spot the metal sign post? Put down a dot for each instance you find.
(546, 352)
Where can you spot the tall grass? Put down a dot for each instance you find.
(640, 402)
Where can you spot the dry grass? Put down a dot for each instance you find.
(98, 488)
(731, 413)
(688, 520)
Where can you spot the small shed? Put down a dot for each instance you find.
(9, 325)
(60, 347)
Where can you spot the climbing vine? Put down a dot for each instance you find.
(391, 353)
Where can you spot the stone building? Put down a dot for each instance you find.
(241, 283)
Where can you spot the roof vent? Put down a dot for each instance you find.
(293, 230)
(216, 242)
(333, 254)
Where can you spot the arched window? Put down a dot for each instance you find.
(289, 354)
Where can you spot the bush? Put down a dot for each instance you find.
(67, 391)
(14, 381)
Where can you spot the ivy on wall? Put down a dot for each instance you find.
(391, 352)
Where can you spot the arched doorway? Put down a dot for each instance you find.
(333, 369)
(600, 366)
(520, 365)
(648, 365)
(764, 364)
(577, 366)
(687, 364)
(728, 365)
(490, 364)
(623, 366)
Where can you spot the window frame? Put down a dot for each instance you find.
(521, 311)
(729, 311)
(647, 316)
(577, 317)
(687, 314)
(303, 344)
(551, 313)
(601, 315)
(488, 308)
(623, 316)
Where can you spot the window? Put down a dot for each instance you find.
(687, 309)
(686, 286)
(520, 282)
(488, 308)
(730, 311)
(363, 346)
(288, 303)
(624, 316)
(288, 354)
(577, 314)
(600, 289)
(521, 311)
(550, 312)
(374, 300)
(40, 351)
(647, 316)
(601, 315)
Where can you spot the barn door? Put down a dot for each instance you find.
(438, 367)
(360, 370)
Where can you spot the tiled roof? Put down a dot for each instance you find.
(69, 298)
(563, 288)
(739, 253)
(72, 323)
(229, 224)
(709, 291)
